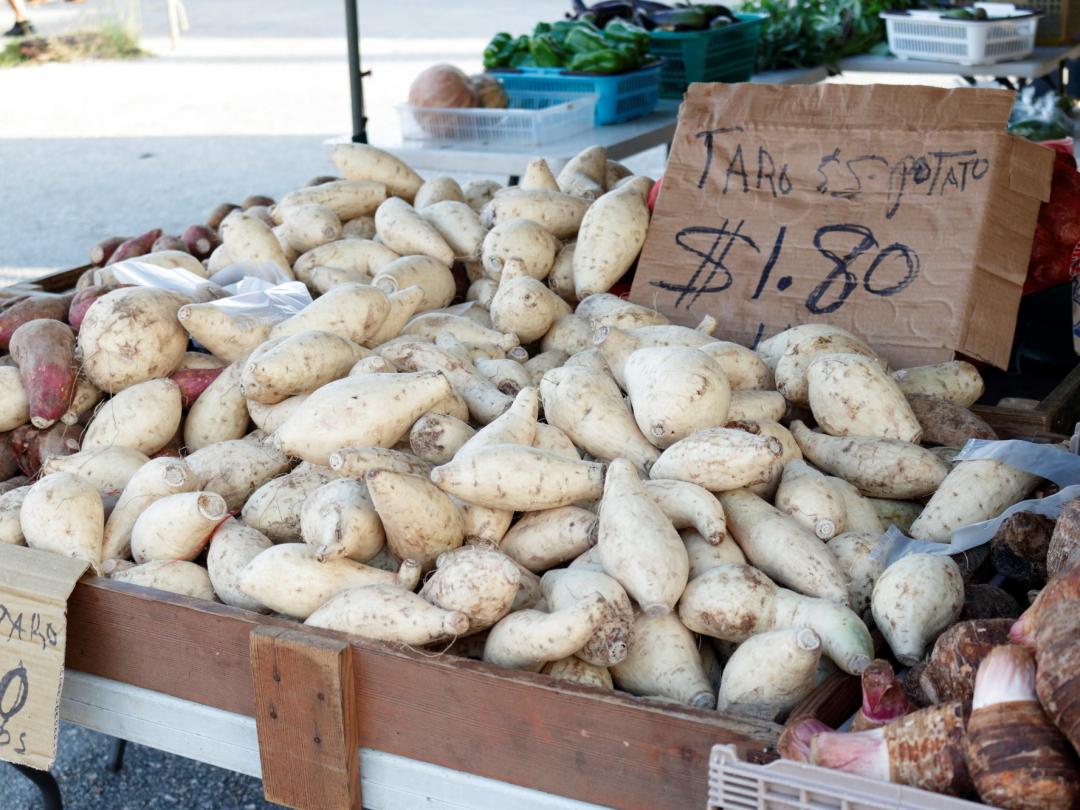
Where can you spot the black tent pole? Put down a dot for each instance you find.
(356, 87)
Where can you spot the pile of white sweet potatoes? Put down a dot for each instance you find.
(545, 475)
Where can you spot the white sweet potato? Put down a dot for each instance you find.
(248, 239)
(770, 673)
(721, 459)
(431, 275)
(957, 381)
(520, 239)
(458, 225)
(339, 520)
(558, 213)
(305, 227)
(143, 416)
(235, 469)
(131, 335)
(781, 548)
(220, 413)
(375, 410)
(177, 527)
(509, 476)
(157, 478)
(528, 639)
(588, 407)
(355, 258)
(675, 392)
(610, 642)
(358, 161)
(274, 508)
(663, 661)
(882, 468)
(232, 546)
(401, 228)
(62, 513)
(297, 365)
(289, 579)
(850, 395)
(108, 468)
(352, 311)
(10, 506)
(420, 521)
(807, 495)
(438, 189)
(479, 582)
(972, 491)
(914, 600)
(435, 437)
(610, 238)
(175, 576)
(542, 540)
(388, 613)
(638, 545)
(348, 199)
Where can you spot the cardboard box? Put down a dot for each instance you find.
(904, 214)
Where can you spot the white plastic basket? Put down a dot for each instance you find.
(1008, 35)
(533, 119)
(787, 785)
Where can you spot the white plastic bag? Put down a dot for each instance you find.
(174, 279)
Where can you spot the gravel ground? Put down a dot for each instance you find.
(149, 780)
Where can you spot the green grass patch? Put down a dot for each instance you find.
(106, 42)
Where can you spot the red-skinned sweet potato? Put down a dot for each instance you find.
(193, 381)
(200, 240)
(168, 242)
(82, 301)
(32, 446)
(9, 462)
(134, 247)
(218, 215)
(45, 353)
(103, 250)
(49, 307)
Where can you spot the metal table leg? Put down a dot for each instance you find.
(116, 755)
(356, 77)
(46, 784)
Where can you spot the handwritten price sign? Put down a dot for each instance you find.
(789, 205)
(34, 587)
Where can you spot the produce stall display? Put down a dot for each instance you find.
(417, 412)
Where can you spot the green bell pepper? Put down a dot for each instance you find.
(604, 61)
(546, 51)
(621, 32)
(585, 40)
(499, 50)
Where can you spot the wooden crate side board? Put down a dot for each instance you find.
(518, 727)
(305, 713)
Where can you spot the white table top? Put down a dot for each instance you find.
(621, 140)
(1039, 64)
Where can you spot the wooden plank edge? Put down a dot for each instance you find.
(541, 718)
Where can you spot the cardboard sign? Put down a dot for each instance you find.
(904, 214)
(34, 587)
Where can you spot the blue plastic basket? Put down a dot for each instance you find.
(619, 98)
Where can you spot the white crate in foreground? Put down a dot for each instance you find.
(787, 785)
(1007, 35)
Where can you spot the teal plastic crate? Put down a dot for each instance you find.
(620, 97)
(723, 54)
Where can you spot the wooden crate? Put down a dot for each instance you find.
(1055, 416)
(587, 744)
